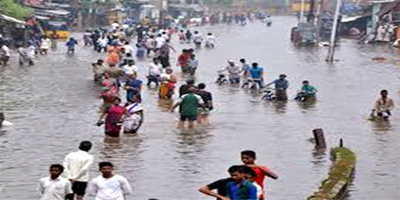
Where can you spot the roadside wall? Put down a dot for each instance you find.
(340, 176)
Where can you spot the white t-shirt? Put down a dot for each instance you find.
(129, 69)
(45, 43)
(154, 70)
(211, 39)
(197, 38)
(54, 189)
(6, 50)
(128, 49)
(160, 42)
(115, 25)
(77, 165)
(165, 36)
(151, 43)
(102, 42)
(114, 188)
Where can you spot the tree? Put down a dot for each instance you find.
(13, 9)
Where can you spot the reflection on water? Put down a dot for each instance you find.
(319, 156)
(381, 125)
(191, 144)
(308, 104)
(279, 106)
(165, 105)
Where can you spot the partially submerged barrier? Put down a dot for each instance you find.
(340, 175)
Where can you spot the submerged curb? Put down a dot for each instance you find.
(340, 175)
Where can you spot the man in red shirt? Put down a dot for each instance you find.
(183, 60)
(248, 158)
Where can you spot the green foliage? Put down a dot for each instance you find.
(13, 9)
(340, 172)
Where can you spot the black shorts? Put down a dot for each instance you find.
(188, 118)
(79, 188)
(380, 114)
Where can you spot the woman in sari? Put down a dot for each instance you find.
(113, 116)
(167, 87)
(133, 116)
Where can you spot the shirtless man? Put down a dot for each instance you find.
(383, 106)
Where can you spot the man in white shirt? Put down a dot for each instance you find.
(130, 68)
(30, 53)
(5, 55)
(102, 44)
(45, 45)
(77, 168)
(55, 187)
(210, 40)
(160, 41)
(115, 25)
(154, 73)
(197, 38)
(151, 44)
(128, 48)
(165, 36)
(109, 186)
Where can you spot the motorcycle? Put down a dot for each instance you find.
(251, 83)
(269, 94)
(303, 98)
(221, 79)
(197, 44)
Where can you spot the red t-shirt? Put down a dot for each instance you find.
(260, 177)
(183, 60)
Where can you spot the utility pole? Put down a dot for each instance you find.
(302, 11)
(319, 25)
(331, 51)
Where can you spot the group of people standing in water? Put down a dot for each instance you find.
(118, 71)
(251, 76)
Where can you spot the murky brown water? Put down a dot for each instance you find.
(53, 106)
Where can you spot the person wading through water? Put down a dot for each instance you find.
(204, 111)
(113, 119)
(248, 158)
(55, 187)
(189, 108)
(77, 166)
(383, 106)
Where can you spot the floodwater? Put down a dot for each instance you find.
(53, 106)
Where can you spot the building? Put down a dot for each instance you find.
(239, 4)
(185, 7)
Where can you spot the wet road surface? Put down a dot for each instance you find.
(53, 106)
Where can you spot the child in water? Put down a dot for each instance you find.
(71, 45)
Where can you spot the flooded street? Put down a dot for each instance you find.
(54, 106)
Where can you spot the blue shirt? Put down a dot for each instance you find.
(255, 72)
(193, 63)
(242, 191)
(71, 43)
(281, 84)
(132, 92)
